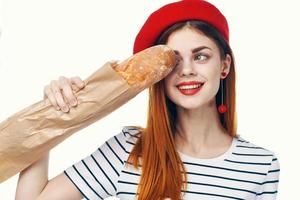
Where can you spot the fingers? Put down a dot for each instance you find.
(58, 96)
(65, 85)
(77, 82)
(61, 92)
(48, 94)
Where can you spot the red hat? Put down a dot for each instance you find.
(171, 13)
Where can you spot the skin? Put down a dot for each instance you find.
(200, 133)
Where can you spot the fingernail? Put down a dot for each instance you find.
(73, 102)
(65, 109)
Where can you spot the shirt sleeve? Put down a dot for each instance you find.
(96, 175)
(269, 187)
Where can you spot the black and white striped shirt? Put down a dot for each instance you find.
(244, 171)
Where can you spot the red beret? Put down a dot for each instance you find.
(171, 13)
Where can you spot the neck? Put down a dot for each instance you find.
(199, 128)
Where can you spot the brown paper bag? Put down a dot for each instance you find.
(30, 133)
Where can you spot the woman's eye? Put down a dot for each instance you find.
(201, 57)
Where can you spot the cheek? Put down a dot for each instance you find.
(167, 85)
(213, 85)
(212, 76)
(169, 80)
(212, 69)
(212, 73)
(170, 88)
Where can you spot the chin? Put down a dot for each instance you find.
(189, 105)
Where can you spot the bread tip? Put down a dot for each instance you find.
(166, 48)
(171, 54)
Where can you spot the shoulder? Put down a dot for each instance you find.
(249, 145)
(266, 167)
(123, 141)
(131, 133)
(251, 151)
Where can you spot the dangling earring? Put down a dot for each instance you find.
(222, 108)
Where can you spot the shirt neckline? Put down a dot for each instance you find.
(221, 157)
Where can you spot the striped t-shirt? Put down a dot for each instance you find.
(244, 171)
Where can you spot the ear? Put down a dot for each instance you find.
(226, 62)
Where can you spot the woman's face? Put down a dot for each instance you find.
(199, 60)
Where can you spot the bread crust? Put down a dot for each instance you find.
(154, 62)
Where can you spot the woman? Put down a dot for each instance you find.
(189, 148)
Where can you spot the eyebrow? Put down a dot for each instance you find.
(194, 50)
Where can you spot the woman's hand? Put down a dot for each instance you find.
(63, 87)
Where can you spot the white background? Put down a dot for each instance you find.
(41, 40)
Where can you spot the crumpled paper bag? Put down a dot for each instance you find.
(30, 133)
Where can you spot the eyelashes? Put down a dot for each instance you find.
(201, 55)
(197, 57)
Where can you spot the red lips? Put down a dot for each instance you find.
(190, 83)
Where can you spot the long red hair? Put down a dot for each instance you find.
(163, 173)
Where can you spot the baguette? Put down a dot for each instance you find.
(30, 133)
(154, 62)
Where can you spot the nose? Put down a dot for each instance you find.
(186, 69)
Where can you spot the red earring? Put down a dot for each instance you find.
(222, 108)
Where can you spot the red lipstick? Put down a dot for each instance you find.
(190, 88)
